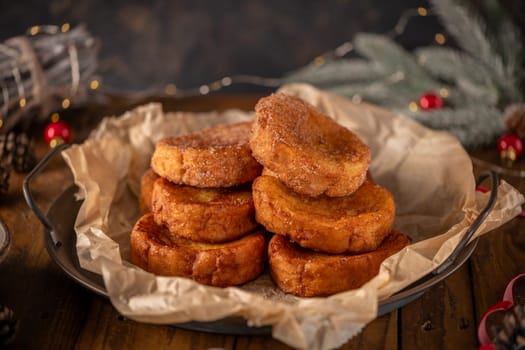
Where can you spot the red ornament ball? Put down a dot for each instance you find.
(57, 132)
(430, 100)
(510, 146)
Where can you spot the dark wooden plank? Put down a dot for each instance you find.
(378, 334)
(44, 299)
(105, 328)
(259, 343)
(442, 318)
(500, 254)
(499, 257)
(197, 340)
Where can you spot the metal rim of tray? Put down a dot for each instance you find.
(60, 241)
(5, 240)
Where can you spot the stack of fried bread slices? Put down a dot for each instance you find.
(198, 209)
(332, 225)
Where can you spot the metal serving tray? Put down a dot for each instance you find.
(60, 241)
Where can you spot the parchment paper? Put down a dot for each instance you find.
(428, 172)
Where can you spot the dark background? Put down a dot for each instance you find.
(190, 42)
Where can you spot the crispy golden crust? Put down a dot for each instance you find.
(307, 151)
(216, 157)
(210, 215)
(355, 223)
(155, 250)
(146, 190)
(306, 273)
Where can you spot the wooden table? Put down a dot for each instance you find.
(56, 313)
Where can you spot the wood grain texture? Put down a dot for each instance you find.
(43, 298)
(499, 257)
(443, 317)
(105, 328)
(259, 343)
(382, 333)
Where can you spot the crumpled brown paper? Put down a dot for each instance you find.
(428, 172)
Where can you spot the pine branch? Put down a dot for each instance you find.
(449, 64)
(499, 57)
(476, 136)
(465, 95)
(509, 41)
(512, 50)
(470, 33)
(473, 126)
(386, 92)
(371, 92)
(472, 79)
(390, 56)
(336, 72)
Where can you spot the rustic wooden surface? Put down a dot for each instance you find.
(56, 313)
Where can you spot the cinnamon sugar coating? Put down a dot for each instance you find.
(210, 215)
(306, 273)
(305, 149)
(146, 190)
(355, 223)
(154, 249)
(216, 157)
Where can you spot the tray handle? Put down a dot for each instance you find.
(494, 178)
(29, 197)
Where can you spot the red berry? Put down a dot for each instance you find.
(510, 146)
(430, 101)
(482, 189)
(57, 130)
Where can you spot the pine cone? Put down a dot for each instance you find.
(514, 117)
(8, 325)
(15, 153)
(4, 179)
(23, 159)
(511, 335)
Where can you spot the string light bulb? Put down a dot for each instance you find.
(66, 103)
(55, 117)
(443, 92)
(216, 85)
(204, 89)
(413, 107)
(94, 84)
(319, 60)
(423, 12)
(65, 27)
(170, 89)
(34, 30)
(440, 38)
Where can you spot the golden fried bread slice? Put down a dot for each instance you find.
(146, 190)
(216, 157)
(308, 151)
(210, 215)
(306, 273)
(355, 223)
(268, 172)
(154, 249)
